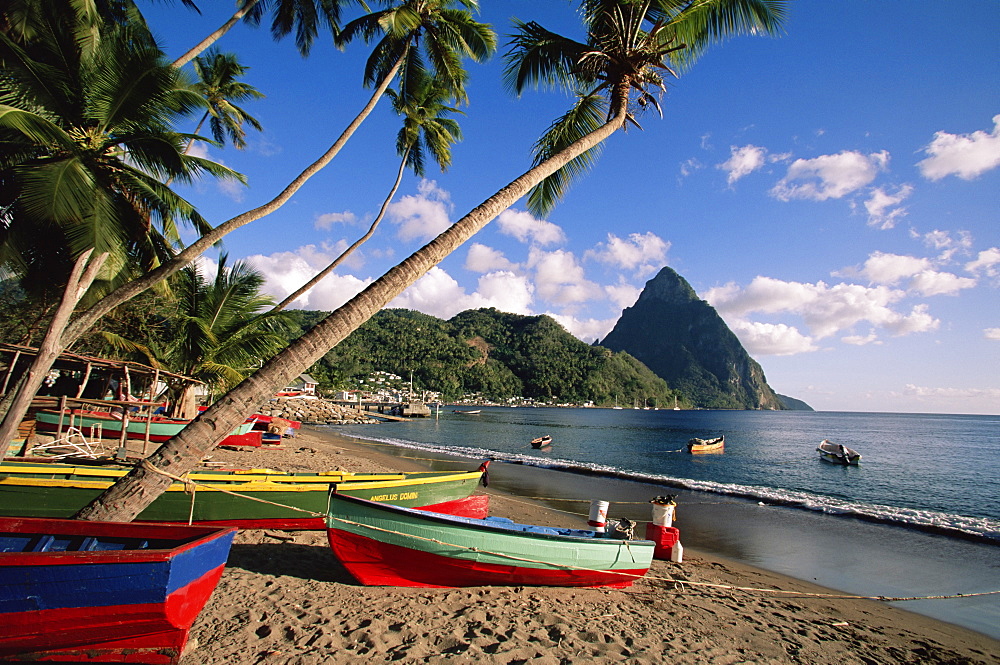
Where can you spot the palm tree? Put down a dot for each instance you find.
(86, 140)
(217, 333)
(435, 25)
(454, 33)
(425, 129)
(304, 17)
(710, 21)
(217, 83)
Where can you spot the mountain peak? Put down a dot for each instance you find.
(668, 287)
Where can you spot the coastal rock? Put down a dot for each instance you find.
(686, 343)
(315, 411)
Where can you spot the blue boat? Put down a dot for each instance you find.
(104, 591)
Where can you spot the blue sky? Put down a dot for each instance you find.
(832, 192)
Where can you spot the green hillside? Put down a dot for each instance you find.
(489, 355)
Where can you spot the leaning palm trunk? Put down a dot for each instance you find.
(347, 252)
(18, 400)
(128, 497)
(215, 36)
(86, 320)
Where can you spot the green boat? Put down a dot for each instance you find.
(249, 500)
(157, 428)
(385, 545)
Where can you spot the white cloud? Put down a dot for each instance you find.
(743, 161)
(327, 220)
(482, 259)
(437, 293)
(861, 340)
(934, 283)
(285, 272)
(964, 155)
(642, 252)
(986, 262)
(559, 279)
(422, 216)
(826, 310)
(525, 228)
(882, 268)
(588, 330)
(690, 166)
(622, 295)
(829, 176)
(943, 242)
(772, 339)
(992, 334)
(884, 209)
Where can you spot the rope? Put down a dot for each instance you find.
(678, 584)
(147, 465)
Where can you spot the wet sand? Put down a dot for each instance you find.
(284, 599)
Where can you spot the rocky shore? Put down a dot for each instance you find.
(315, 411)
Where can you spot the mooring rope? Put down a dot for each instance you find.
(677, 583)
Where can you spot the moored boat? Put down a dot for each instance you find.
(381, 544)
(542, 442)
(104, 591)
(716, 445)
(89, 422)
(246, 500)
(837, 453)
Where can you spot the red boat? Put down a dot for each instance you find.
(82, 591)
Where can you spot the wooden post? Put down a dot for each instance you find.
(122, 452)
(10, 370)
(83, 384)
(149, 415)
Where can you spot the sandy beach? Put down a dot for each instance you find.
(284, 599)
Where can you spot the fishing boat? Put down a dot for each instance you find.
(257, 499)
(697, 446)
(90, 422)
(473, 412)
(385, 545)
(837, 453)
(542, 442)
(104, 591)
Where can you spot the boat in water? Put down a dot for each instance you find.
(698, 446)
(385, 545)
(80, 591)
(109, 426)
(542, 442)
(252, 499)
(837, 453)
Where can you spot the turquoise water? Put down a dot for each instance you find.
(932, 472)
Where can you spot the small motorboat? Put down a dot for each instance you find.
(468, 413)
(837, 453)
(385, 545)
(542, 442)
(697, 446)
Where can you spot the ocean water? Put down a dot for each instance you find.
(920, 516)
(932, 472)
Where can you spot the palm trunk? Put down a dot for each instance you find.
(134, 492)
(347, 252)
(215, 36)
(18, 400)
(86, 320)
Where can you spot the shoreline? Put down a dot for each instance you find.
(284, 599)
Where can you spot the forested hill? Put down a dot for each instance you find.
(490, 354)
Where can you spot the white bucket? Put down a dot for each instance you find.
(663, 514)
(677, 553)
(598, 515)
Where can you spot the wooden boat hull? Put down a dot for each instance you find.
(701, 446)
(384, 545)
(274, 501)
(160, 430)
(104, 605)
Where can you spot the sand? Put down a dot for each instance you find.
(284, 599)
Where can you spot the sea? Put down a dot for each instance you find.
(919, 516)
